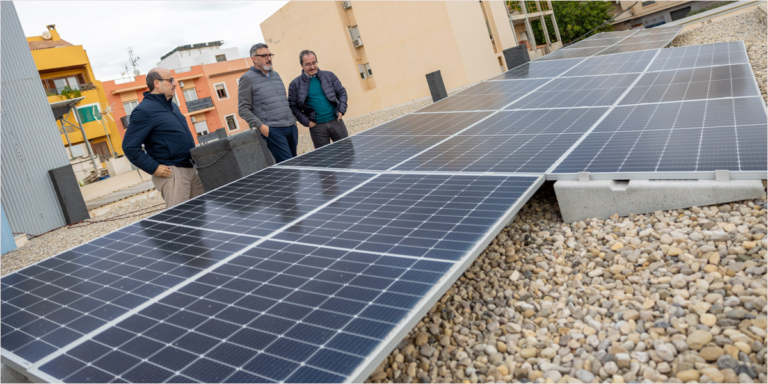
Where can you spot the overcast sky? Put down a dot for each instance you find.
(107, 28)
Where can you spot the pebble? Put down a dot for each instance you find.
(585, 376)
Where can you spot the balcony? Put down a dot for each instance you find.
(125, 120)
(199, 104)
(517, 12)
(82, 88)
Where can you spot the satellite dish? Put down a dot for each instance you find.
(136, 72)
(46, 35)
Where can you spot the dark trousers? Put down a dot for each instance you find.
(323, 133)
(282, 142)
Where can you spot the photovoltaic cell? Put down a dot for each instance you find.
(696, 56)
(697, 136)
(633, 47)
(432, 216)
(567, 92)
(490, 95)
(632, 62)
(570, 53)
(538, 69)
(366, 152)
(294, 312)
(693, 84)
(57, 301)
(436, 124)
(595, 42)
(522, 141)
(263, 202)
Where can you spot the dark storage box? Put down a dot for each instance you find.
(224, 161)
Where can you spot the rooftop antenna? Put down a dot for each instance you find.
(134, 61)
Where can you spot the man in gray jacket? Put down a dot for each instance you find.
(263, 103)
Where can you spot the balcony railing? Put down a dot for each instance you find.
(82, 88)
(125, 120)
(196, 105)
(515, 8)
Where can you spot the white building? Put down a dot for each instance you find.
(196, 54)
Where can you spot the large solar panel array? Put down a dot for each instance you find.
(313, 270)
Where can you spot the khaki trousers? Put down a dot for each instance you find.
(183, 185)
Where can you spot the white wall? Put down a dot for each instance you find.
(197, 56)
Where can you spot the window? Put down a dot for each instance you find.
(190, 94)
(220, 58)
(88, 113)
(365, 70)
(647, 3)
(221, 91)
(231, 123)
(129, 106)
(55, 85)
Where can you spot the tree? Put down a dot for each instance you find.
(575, 18)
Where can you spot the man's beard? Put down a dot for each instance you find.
(267, 67)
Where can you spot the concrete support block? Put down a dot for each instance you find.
(600, 199)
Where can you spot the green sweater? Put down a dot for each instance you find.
(318, 102)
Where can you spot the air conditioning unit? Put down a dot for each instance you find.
(192, 118)
(346, 4)
(357, 42)
(181, 84)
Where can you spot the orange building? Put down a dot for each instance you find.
(206, 96)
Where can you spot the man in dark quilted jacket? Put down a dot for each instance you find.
(318, 100)
(263, 103)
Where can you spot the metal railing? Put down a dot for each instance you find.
(125, 120)
(82, 88)
(516, 8)
(196, 105)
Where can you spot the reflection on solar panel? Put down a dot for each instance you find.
(700, 56)
(693, 84)
(427, 124)
(366, 152)
(632, 62)
(567, 92)
(523, 141)
(679, 137)
(538, 69)
(284, 311)
(261, 203)
(55, 302)
(486, 96)
(314, 274)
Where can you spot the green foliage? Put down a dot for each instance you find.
(575, 18)
(709, 7)
(69, 93)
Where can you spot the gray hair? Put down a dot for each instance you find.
(151, 77)
(256, 47)
(304, 53)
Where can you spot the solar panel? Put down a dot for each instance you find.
(57, 301)
(633, 47)
(486, 96)
(435, 124)
(677, 137)
(596, 42)
(700, 56)
(263, 202)
(571, 53)
(632, 62)
(521, 141)
(538, 69)
(568, 92)
(694, 84)
(285, 311)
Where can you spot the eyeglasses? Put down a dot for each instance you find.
(269, 55)
(312, 64)
(168, 80)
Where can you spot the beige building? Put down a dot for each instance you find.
(381, 50)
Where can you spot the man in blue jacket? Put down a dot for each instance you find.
(159, 125)
(318, 101)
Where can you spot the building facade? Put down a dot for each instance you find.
(649, 14)
(65, 72)
(206, 96)
(185, 56)
(381, 51)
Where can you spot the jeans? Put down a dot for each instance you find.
(282, 142)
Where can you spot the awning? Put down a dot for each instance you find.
(61, 108)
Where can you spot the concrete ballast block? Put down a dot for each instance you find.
(600, 199)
